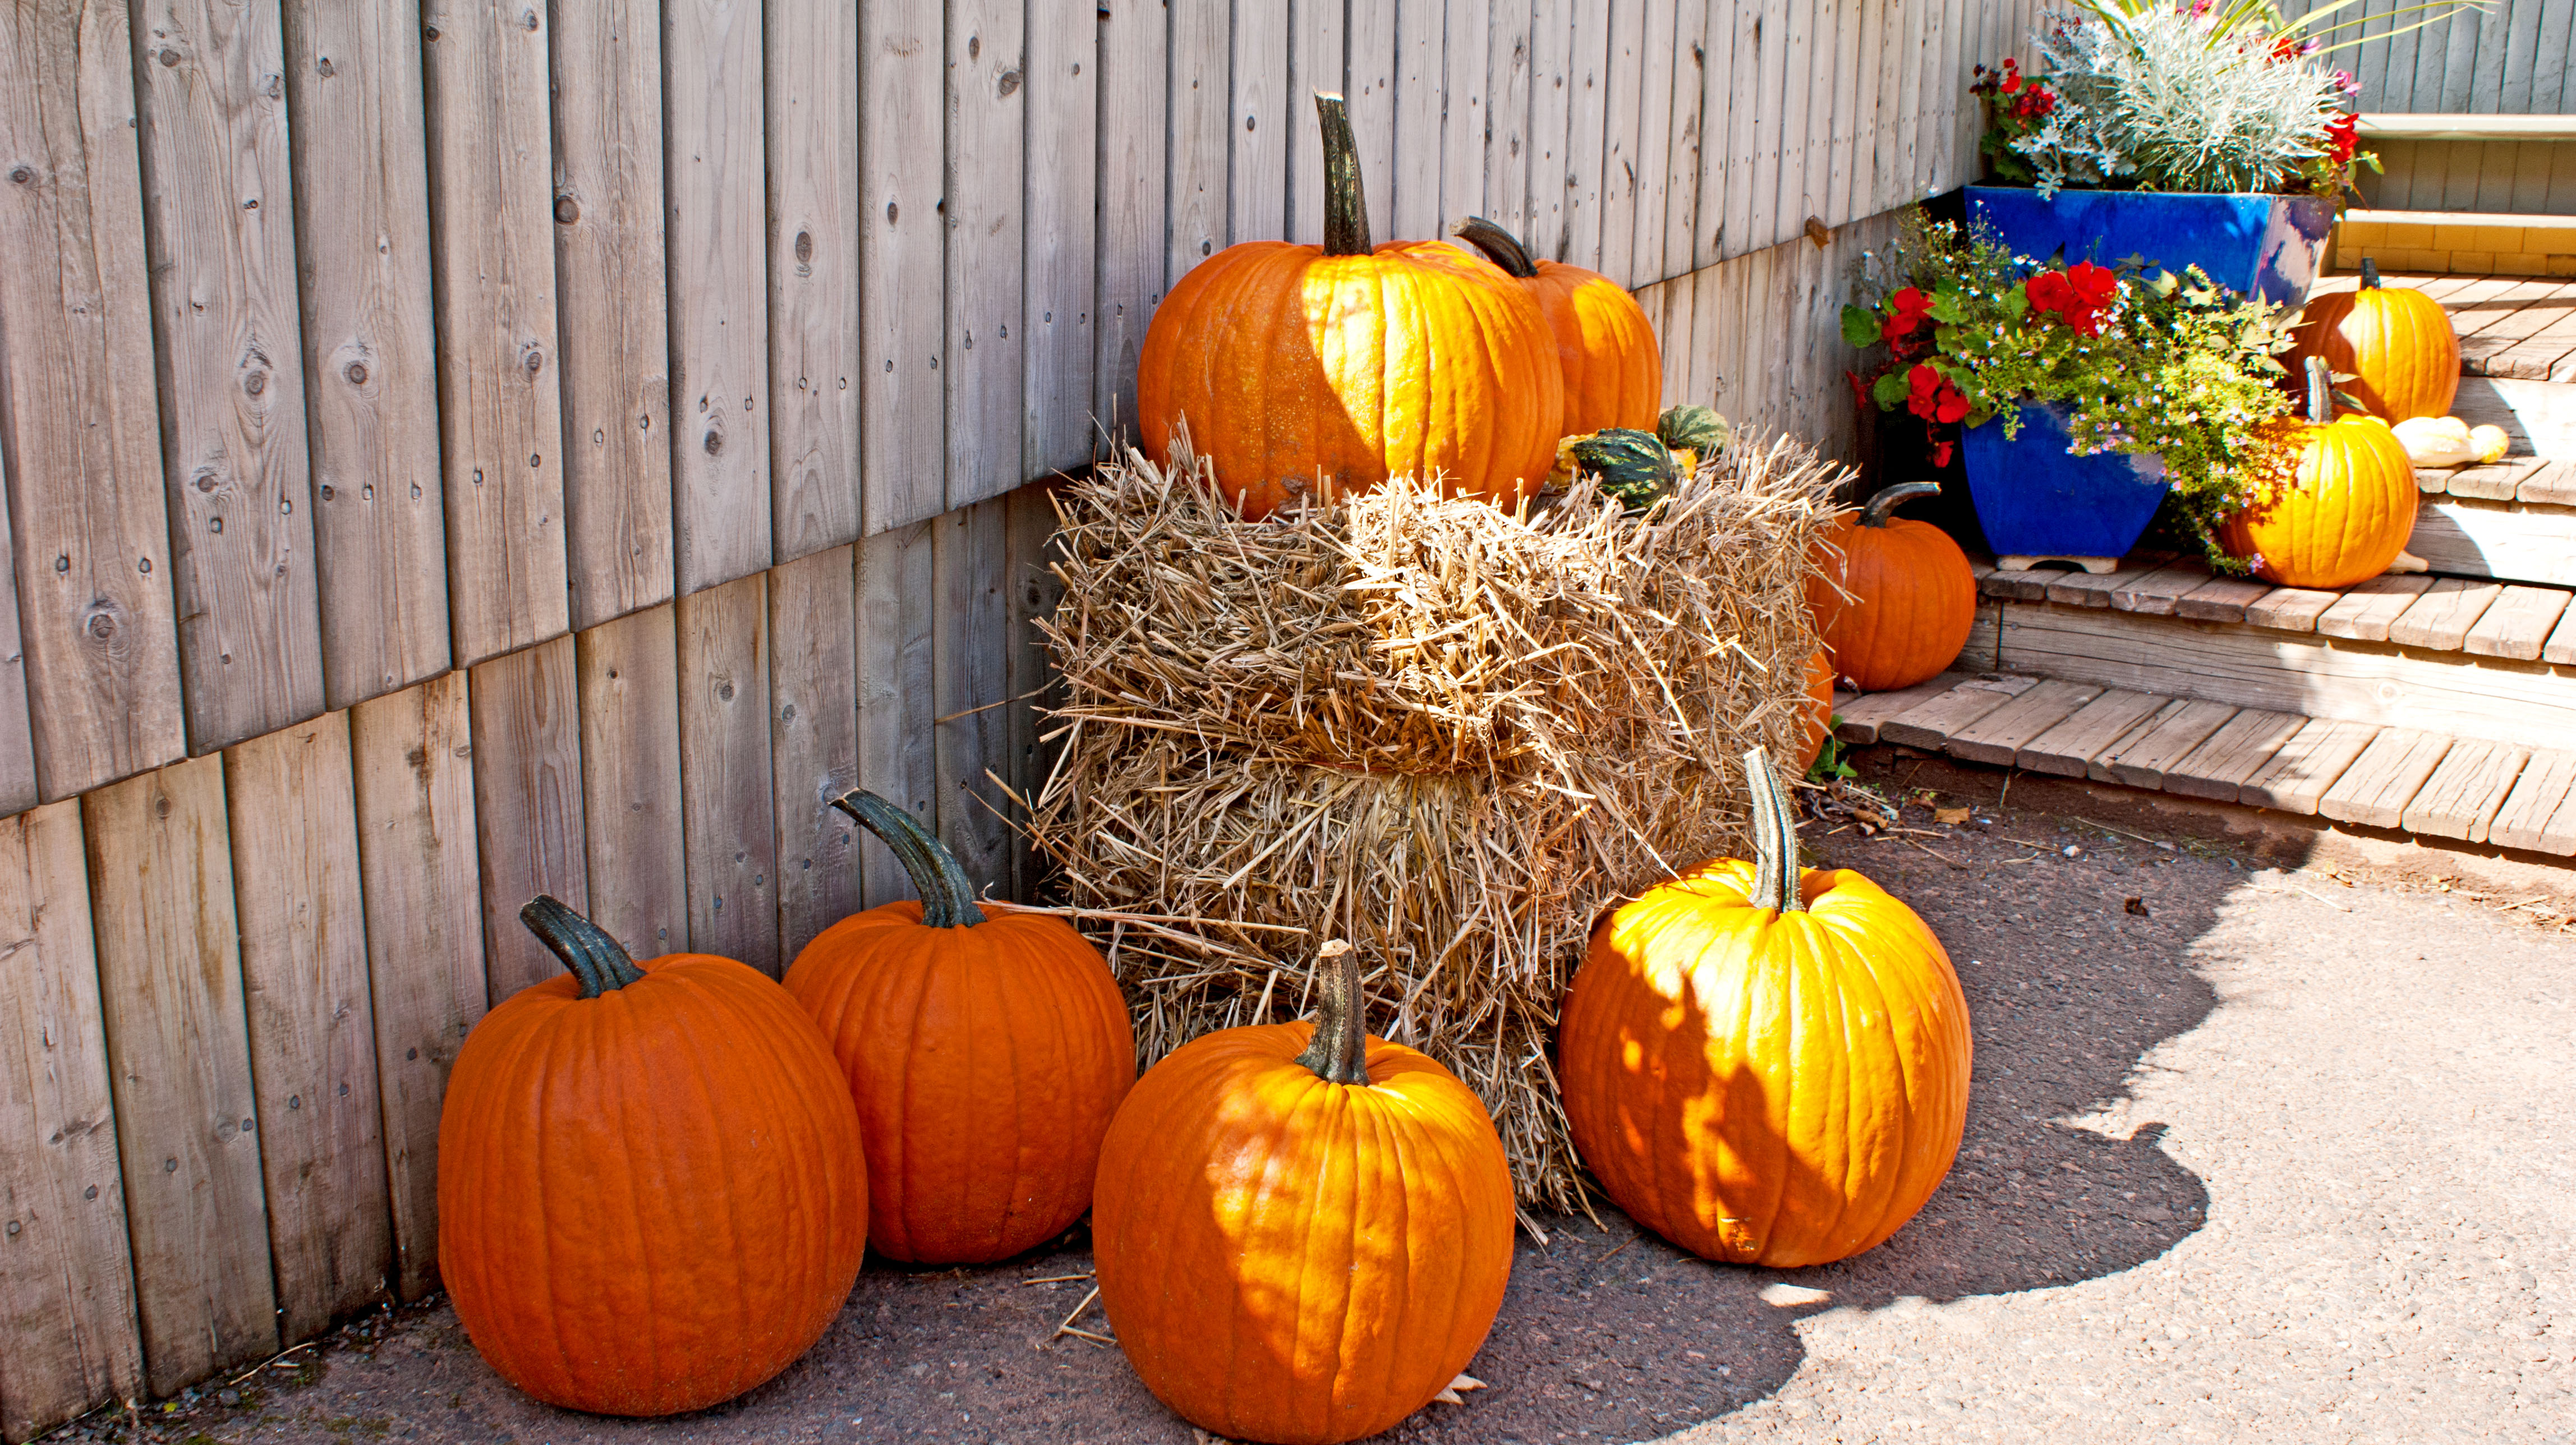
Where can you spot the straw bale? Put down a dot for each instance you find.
(1447, 733)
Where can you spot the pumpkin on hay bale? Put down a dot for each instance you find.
(1448, 733)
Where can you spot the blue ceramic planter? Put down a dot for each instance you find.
(2251, 243)
(2036, 500)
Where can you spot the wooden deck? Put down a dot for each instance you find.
(2509, 326)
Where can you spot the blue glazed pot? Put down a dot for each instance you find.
(2036, 500)
(2250, 243)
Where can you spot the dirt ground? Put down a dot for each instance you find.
(2269, 1140)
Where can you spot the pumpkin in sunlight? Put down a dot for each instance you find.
(2394, 343)
(1313, 371)
(2344, 514)
(1766, 1064)
(1613, 367)
(1302, 1233)
(987, 1049)
(651, 1196)
(1893, 599)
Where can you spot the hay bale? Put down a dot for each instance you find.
(1448, 734)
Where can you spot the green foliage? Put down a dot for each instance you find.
(1833, 762)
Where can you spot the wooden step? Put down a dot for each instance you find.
(2517, 351)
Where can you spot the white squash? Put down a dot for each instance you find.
(2436, 441)
(2489, 442)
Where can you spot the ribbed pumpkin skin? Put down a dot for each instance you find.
(1913, 600)
(1291, 365)
(1818, 717)
(651, 1201)
(986, 1063)
(1614, 368)
(2347, 519)
(2396, 342)
(1294, 1261)
(1766, 1088)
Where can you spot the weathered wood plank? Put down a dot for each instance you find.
(1507, 118)
(2552, 483)
(2288, 609)
(1690, 106)
(814, 740)
(2159, 593)
(170, 991)
(2514, 542)
(2368, 607)
(2087, 589)
(1034, 592)
(1465, 121)
(67, 1291)
(898, 612)
(500, 399)
(2141, 758)
(1318, 59)
(902, 248)
(1931, 724)
(2518, 623)
(1624, 94)
(633, 861)
(2223, 599)
(985, 383)
(717, 240)
(1368, 87)
(17, 737)
(1259, 132)
(970, 675)
(2375, 790)
(1061, 204)
(2296, 776)
(2015, 585)
(1587, 117)
(2461, 798)
(1858, 719)
(2500, 481)
(528, 813)
(725, 775)
(1722, 124)
(1134, 153)
(2066, 748)
(414, 761)
(814, 350)
(370, 347)
(610, 273)
(2441, 615)
(85, 491)
(1413, 180)
(1551, 100)
(2540, 813)
(2561, 646)
(1998, 736)
(292, 806)
(2219, 767)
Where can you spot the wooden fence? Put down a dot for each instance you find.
(465, 448)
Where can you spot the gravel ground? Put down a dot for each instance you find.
(2253, 1155)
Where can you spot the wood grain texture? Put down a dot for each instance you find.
(2067, 748)
(902, 250)
(2140, 758)
(1201, 58)
(413, 757)
(2368, 608)
(615, 337)
(1318, 59)
(1059, 215)
(1997, 736)
(2220, 599)
(1507, 119)
(1587, 120)
(17, 739)
(970, 678)
(1135, 149)
(1368, 87)
(79, 407)
(1625, 96)
(986, 384)
(815, 218)
(1858, 719)
(814, 741)
(2375, 790)
(2518, 624)
(629, 675)
(2540, 813)
(2440, 617)
(529, 818)
(1931, 723)
(2159, 592)
(727, 810)
(170, 989)
(2507, 541)
(1413, 177)
(1551, 102)
(2461, 798)
(2285, 609)
(1259, 129)
(66, 1277)
(1033, 590)
(897, 642)
(292, 806)
(2219, 767)
(361, 156)
(715, 202)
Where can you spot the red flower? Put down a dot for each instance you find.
(1911, 309)
(2049, 291)
(2076, 295)
(1932, 397)
(2012, 82)
(1941, 454)
(2095, 284)
(2343, 136)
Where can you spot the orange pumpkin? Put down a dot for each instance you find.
(1302, 1233)
(987, 1050)
(2396, 343)
(1816, 720)
(2350, 512)
(1313, 371)
(651, 1195)
(1614, 370)
(1911, 597)
(1763, 1064)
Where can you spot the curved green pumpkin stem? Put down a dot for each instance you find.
(1339, 1051)
(596, 959)
(1346, 230)
(1775, 838)
(2369, 274)
(2320, 391)
(1499, 245)
(947, 896)
(1889, 499)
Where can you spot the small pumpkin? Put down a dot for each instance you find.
(1634, 466)
(1911, 597)
(1302, 1233)
(986, 1048)
(1314, 371)
(1694, 432)
(1614, 368)
(651, 1194)
(2395, 342)
(2351, 511)
(1816, 720)
(1766, 1064)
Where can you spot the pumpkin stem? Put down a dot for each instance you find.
(947, 895)
(1775, 838)
(1501, 246)
(1346, 230)
(2320, 391)
(585, 947)
(2369, 274)
(1339, 1052)
(1890, 498)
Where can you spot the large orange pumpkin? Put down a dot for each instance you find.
(1614, 370)
(1311, 371)
(2396, 343)
(1764, 1064)
(651, 1195)
(1912, 598)
(2350, 512)
(1302, 1233)
(987, 1050)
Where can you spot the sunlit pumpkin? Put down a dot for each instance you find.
(651, 1195)
(1614, 370)
(1764, 1064)
(2395, 342)
(1312, 371)
(1302, 1233)
(987, 1050)
(2350, 510)
(1911, 596)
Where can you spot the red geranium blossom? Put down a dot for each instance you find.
(2343, 136)
(2077, 295)
(1911, 309)
(1932, 397)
